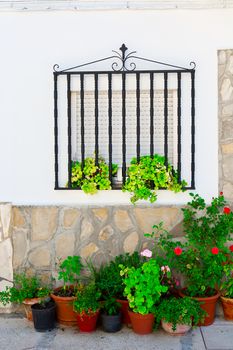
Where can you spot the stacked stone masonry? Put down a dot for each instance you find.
(225, 61)
(41, 236)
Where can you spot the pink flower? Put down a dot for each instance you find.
(178, 250)
(147, 253)
(226, 210)
(177, 283)
(215, 250)
(231, 248)
(165, 269)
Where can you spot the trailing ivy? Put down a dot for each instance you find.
(92, 177)
(150, 174)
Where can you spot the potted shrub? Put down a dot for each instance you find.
(201, 258)
(143, 290)
(111, 315)
(110, 283)
(91, 177)
(87, 307)
(149, 175)
(26, 290)
(178, 315)
(44, 314)
(69, 273)
(227, 291)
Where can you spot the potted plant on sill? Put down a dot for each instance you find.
(110, 283)
(226, 290)
(26, 290)
(202, 256)
(64, 296)
(87, 306)
(143, 290)
(111, 315)
(178, 315)
(149, 175)
(91, 177)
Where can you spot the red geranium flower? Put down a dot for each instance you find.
(177, 250)
(215, 250)
(226, 210)
(221, 193)
(231, 248)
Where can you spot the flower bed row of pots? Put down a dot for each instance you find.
(142, 289)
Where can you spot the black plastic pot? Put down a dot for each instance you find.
(111, 324)
(44, 318)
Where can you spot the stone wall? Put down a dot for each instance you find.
(6, 268)
(225, 60)
(43, 235)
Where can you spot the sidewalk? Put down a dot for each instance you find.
(17, 333)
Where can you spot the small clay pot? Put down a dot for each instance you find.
(27, 303)
(87, 323)
(181, 329)
(142, 324)
(65, 311)
(227, 305)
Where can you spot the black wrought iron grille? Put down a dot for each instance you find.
(123, 67)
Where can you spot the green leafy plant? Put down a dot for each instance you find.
(202, 256)
(87, 302)
(91, 177)
(143, 287)
(150, 174)
(111, 307)
(180, 311)
(69, 272)
(24, 287)
(108, 279)
(226, 287)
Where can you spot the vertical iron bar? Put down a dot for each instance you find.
(82, 120)
(138, 114)
(55, 131)
(69, 129)
(151, 114)
(179, 125)
(110, 124)
(165, 118)
(123, 129)
(193, 129)
(96, 121)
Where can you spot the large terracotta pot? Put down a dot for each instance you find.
(87, 323)
(141, 324)
(208, 304)
(227, 305)
(124, 310)
(64, 308)
(181, 329)
(27, 303)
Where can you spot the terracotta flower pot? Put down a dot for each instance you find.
(208, 304)
(124, 310)
(141, 324)
(64, 308)
(227, 305)
(27, 303)
(87, 323)
(181, 329)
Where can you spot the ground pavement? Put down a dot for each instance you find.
(17, 333)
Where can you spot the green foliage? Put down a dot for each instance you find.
(206, 227)
(92, 177)
(111, 307)
(180, 311)
(108, 279)
(69, 271)
(87, 301)
(24, 287)
(149, 175)
(143, 287)
(227, 282)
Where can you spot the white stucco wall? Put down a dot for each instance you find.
(32, 42)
